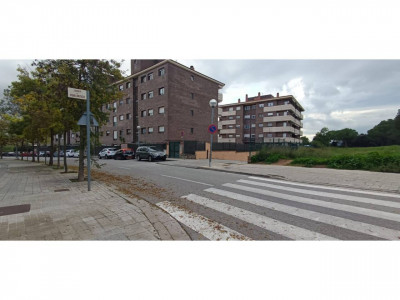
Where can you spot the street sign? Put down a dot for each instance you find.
(212, 128)
(76, 93)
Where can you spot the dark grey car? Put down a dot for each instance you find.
(150, 153)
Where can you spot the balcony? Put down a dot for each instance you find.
(226, 140)
(282, 140)
(228, 122)
(279, 129)
(228, 113)
(227, 131)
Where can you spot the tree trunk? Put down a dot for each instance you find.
(65, 152)
(59, 150)
(51, 147)
(37, 150)
(33, 151)
(22, 152)
(82, 136)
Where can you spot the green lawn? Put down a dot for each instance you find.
(382, 159)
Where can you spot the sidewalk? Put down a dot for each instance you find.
(38, 202)
(365, 180)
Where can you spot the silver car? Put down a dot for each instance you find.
(107, 153)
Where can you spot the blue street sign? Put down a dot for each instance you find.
(212, 128)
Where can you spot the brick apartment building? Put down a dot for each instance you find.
(261, 119)
(169, 101)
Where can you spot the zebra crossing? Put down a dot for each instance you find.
(268, 209)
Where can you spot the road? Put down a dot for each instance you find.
(214, 205)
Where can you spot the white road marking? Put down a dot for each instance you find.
(187, 180)
(324, 194)
(348, 208)
(361, 227)
(287, 230)
(383, 194)
(208, 228)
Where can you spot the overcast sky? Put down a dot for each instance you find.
(337, 94)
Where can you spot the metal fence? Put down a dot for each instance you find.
(190, 147)
(249, 147)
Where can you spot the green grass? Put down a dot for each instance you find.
(381, 159)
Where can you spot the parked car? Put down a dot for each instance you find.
(57, 152)
(76, 153)
(150, 153)
(70, 153)
(124, 154)
(107, 153)
(43, 153)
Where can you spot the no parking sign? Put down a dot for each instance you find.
(212, 128)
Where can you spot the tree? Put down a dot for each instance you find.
(305, 140)
(346, 135)
(385, 133)
(322, 138)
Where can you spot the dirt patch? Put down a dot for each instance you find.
(283, 162)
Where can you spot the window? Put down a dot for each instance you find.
(143, 79)
(253, 106)
(260, 115)
(192, 95)
(237, 107)
(144, 96)
(253, 135)
(230, 118)
(230, 135)
(128, 131)
(128, 85)
(128, 100)
(192, 77)
(161, 72)
(260, 125)
(270, 103)
(115, 135)
(143, 113)
(237, 117)
(128, 116)
(150, 76)
(269, 124)
(161, 110)
(247, 107)
(253, 117)
(108, 106)
(284, 135)
(150, 112)
(246, 126)
(261, 105)
(230, 108)
(287, 102)
(237, 126)
(121, 117)
(121, 133)
(284, 124)
(269, 134)
(161, 129)
(247, 116)
(143, 130)
(238, 135)
(261, 135)
(246, 135)
(151, 130)
(121, 102)
(107, 133)
(192, 112)
(230, 126)
(151, 94)
(270, 114)
(115, 104)
(121, 87)
(115, 121)
(161, 91)
(191, 130)
(253, 125)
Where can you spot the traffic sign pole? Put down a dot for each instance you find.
(212, 121)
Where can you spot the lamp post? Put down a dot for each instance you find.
(138, 135)
(213, 104)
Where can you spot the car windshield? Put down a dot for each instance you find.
(152, 149)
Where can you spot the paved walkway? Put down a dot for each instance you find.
(64, 210)
(386, 182)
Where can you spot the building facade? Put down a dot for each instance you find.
(261, 119)
(163, 101)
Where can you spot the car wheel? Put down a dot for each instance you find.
(99, 156)
(151, 158)
(138, 157)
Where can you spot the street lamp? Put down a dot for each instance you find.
(213, 104)
(138, 135)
